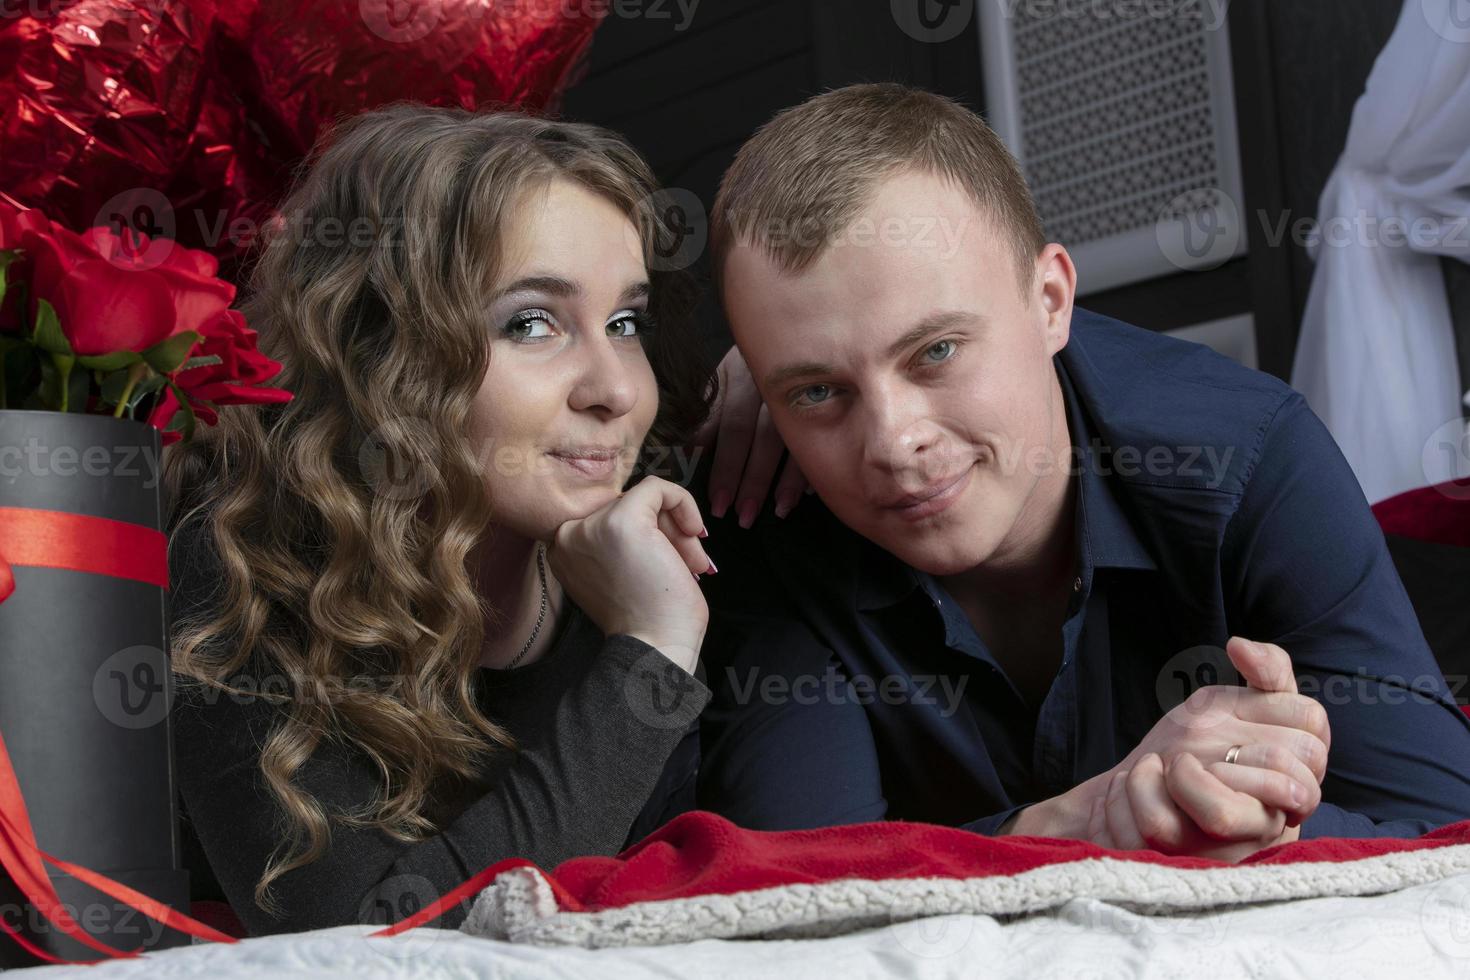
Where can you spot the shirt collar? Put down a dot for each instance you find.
(1106, 537)
(1105, 531)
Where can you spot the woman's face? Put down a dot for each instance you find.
(569, 394)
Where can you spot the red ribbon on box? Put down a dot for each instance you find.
(79, 543)
(76, 542)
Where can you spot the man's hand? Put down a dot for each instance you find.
(747, 448)
(1164, 797)
(1281, 732)
(1220, 811)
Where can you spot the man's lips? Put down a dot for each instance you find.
(932, 499)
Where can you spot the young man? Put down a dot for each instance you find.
(1037, 529)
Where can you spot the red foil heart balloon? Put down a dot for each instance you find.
(184, 118)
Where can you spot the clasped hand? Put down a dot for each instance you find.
(1175, 792)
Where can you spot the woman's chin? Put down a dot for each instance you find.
(584, 500)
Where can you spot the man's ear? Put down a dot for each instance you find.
(1056, 285)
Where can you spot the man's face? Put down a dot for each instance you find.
(910, 377)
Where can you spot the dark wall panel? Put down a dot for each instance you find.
(689, 96)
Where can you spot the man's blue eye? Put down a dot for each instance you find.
(944, 349)
(816, 393)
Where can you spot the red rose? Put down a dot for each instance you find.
(115, 294)
(233, 381)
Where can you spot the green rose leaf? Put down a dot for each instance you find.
(110, 362)
(185, 413)
(48, 335)
(145, 388)
(203, 360)
(166, 356)
(7, 256)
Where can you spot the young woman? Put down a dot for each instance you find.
(422, 622)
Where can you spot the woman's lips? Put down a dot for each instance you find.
(933, 501)
(594, 464)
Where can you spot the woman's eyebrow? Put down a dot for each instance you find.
(550, 285)
(562, 288)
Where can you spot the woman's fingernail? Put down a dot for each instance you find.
(748, 509)
(703, 532)
(1298, 795)
(719, 501)
(785, 503)
(696, 576)
(712, 570)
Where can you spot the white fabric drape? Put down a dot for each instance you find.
(1376, 356)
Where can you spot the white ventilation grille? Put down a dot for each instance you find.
(1123, 117)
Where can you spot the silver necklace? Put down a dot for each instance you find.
(541, 616)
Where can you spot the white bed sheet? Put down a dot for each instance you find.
(1421, 932)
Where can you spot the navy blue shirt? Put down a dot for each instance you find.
(1210, 502)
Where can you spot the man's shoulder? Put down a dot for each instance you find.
(1203, 415)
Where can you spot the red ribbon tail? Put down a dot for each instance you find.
(22, 860)
(453, 897)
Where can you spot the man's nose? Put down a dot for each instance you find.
(905, 437)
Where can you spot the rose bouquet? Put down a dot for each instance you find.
(111, 347)
(121, 325)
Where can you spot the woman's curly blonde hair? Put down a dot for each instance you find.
(371, 292)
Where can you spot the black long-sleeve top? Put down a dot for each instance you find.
(607, 749)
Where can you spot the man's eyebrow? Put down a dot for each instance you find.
(801, 369)
(932, 324)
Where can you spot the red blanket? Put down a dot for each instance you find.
(700, 876)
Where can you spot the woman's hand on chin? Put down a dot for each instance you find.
(633, 566)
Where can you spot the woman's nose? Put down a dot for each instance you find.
(605, 383)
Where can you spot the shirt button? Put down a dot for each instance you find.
(1076, 585)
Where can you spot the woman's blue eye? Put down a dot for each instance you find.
(627, 325)
(528, 325)
(944, 349)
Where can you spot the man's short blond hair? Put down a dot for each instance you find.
(802, 179)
